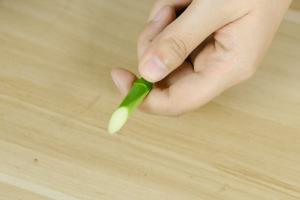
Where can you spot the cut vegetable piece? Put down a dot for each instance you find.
(117, 120)
(135, 97)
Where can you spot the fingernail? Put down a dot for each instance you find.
(117, 83)
(154, 69)
(158, 15)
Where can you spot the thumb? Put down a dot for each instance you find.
(174, 44)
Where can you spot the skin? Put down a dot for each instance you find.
(195, 56)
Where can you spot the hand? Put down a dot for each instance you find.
(211, 46)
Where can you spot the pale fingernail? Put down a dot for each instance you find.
(118, 84)
(154, 69)
(116, 81)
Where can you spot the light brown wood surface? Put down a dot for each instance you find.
(56, 97)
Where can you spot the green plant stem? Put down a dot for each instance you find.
(134, 98)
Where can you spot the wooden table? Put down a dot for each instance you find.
(56, 97)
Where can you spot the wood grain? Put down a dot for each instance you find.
(56, 97)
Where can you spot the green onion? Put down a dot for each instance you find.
(135, 97)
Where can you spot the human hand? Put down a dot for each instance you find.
(212, 46)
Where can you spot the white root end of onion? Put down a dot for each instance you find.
(118, 119)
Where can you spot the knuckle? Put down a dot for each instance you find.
(176, 47)
(146, 35)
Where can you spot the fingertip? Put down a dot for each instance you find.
(123, 79)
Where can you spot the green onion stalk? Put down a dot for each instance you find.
(139, 90)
